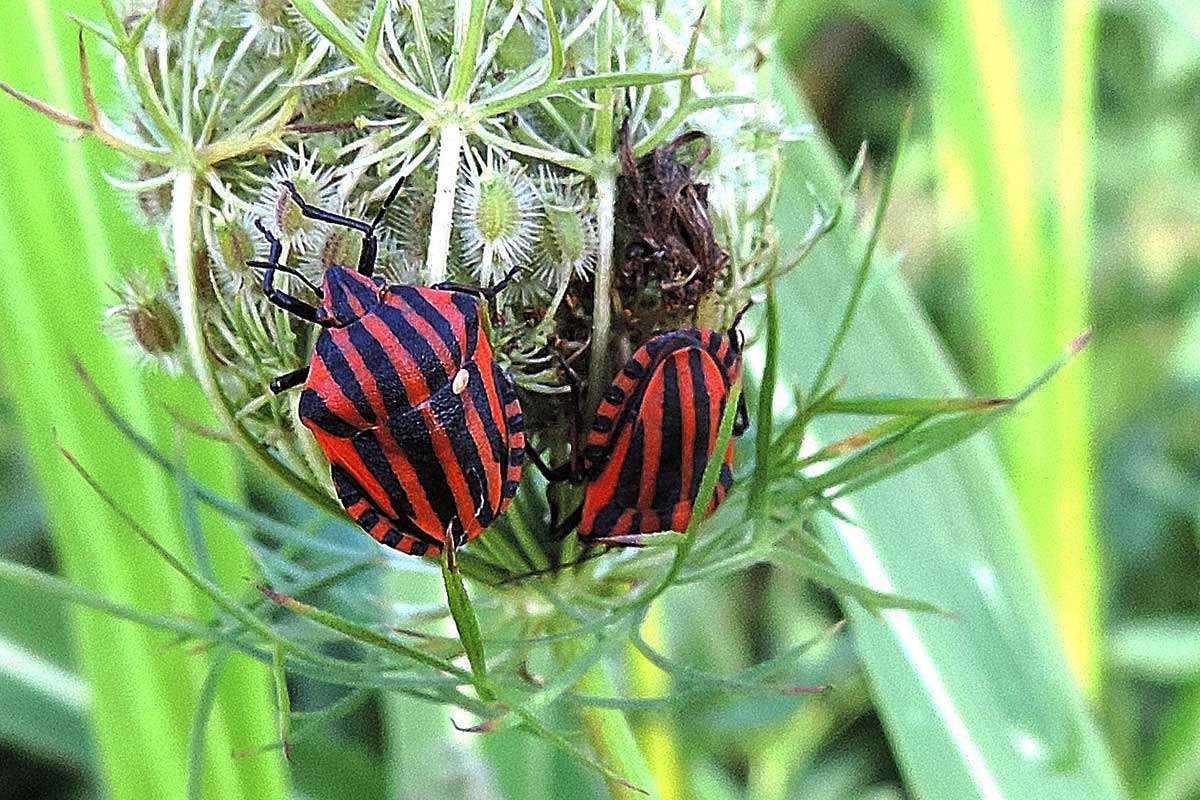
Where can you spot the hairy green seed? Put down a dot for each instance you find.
(499, 213)
(563, 238)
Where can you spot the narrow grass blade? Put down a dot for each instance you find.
(1014, 118)
(980, 705)
(63, 237)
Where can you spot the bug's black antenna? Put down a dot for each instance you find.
(387, 203)
(281, 267)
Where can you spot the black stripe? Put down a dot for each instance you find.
(350, 491)
(449, 412)
(629, 484)
(314, 411)
(335, 300)
(477, 391)
(432, 369)
(376, 361)
(343, 375)
(347, 489)
(368, 519)
(414, 296)
(701, 401)
(370, 451)
(665, 345)
(726, 477)
(407, 427)
(668, 483)
(468, 306)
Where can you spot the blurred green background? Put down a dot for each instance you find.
(1051, 184)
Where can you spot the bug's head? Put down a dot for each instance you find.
(346, 296)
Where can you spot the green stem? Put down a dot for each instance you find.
(598, 367)
(766, 401)
(471, 23)
(348, 44)
(606, 193)
(450, 147)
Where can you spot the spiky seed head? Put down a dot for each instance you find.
(566, 243)
(206, 287)
(148, 321)
(172, 14)
(155, 327)
(232, 241)
(338, 246)
(411, 215)
(497, 215)
(284, 216)
(566, 236)
(155, 203)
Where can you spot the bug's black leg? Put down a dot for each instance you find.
(736, 337)
(743, 417)
(569, 524)
(482, 292)
(288, 380)
(370, 243)
(572, 469)
(563, 472)
(280, 298)
(576, 384)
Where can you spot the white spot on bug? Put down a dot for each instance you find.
(459, 385)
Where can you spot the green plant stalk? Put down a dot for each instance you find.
(1015, 142)
(60, 231)
(606, 187)
(450, 144)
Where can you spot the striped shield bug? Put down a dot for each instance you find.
(653, 435)
(423, 430)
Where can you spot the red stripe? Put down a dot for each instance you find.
(687, 404)
(492, 479)
(601, 491)
(650, 414)
(415, 387)
(321, 382)
(426, 519)
(422, 326)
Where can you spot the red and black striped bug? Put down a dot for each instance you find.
(654, 434)
(422, 429)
